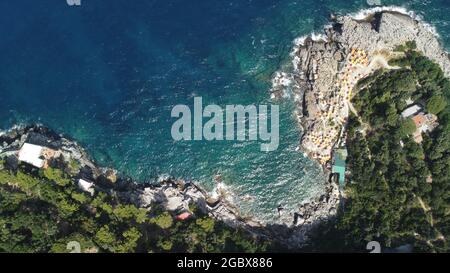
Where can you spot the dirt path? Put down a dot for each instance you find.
(427, 210)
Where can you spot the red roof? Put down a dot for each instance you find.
(419, 120)
(183, 216)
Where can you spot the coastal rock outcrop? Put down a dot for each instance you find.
(328, 67)
(325, 73)
(386, 30)
(326, 70)
(174, 195)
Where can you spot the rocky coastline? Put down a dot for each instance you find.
(320, 65)
(327, 67)
(175, 195)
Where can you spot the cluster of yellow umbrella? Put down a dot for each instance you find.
(359, 57)
(321, 141)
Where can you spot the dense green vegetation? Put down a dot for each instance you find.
(44, 211)
(389, 199)
(397, 193)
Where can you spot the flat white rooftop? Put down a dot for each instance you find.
(411, 111)
(86, 186)
(32, 154)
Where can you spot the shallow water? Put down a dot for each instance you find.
(109, 72)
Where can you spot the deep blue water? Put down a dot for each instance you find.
(109, 72)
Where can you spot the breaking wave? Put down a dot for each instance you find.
(284, 79)
(365, 13)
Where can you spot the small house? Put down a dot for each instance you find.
(411, 111)
(86, 186)
(183, 216)
(36, 155)
(424, 123)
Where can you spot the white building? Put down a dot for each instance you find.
(410, 111)
(32, 154)
(86, 186)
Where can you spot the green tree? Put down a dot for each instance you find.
(130, 241)
(407, 127)
(165, 245)
(207, 224)
(164, 220)
(105, 238)
(436, 104)
(127, 212)
(57, 176)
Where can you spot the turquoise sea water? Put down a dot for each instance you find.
(108, 73)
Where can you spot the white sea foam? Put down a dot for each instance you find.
(365, 13)
(319, 37)
(295, 62)
(283, 80)
(14, 127)
(163, 177)
(223, 191)
(300, 41)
